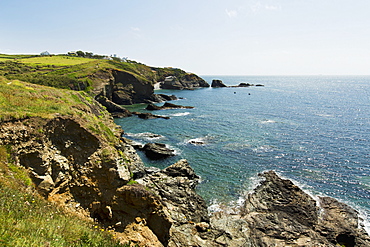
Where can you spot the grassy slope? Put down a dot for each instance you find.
(25, 218)
(62, 71)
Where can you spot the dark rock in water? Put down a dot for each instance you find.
(152, 107)
(217, 83)
(157, 151)
(166, 97)
(173, 106)
(243, 84)
(148, 115)
(115, 109)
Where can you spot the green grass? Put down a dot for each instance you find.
(28, 220)
(56, 60)
(19, 100)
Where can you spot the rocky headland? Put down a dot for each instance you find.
(76, 157)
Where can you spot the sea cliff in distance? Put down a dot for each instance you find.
(57, 140)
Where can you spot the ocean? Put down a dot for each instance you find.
(313, 130)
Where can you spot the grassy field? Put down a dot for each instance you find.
(55, 60)
(28, 220)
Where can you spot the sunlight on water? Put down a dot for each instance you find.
(313, 130)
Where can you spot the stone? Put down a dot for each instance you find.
(46, 185)
(157, 151)
(217, 83)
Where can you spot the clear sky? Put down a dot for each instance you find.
(233, 37)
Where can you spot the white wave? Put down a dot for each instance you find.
(267, 121)
(197, 141)
(145, 136)
(180, 114)
(232, 207)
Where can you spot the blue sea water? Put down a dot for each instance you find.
(314, 130)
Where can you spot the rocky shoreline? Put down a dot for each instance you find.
(90, 169)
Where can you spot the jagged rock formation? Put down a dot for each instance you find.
(188, 81)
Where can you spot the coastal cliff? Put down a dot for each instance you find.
(76, 157)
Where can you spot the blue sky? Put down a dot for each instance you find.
(234, 37)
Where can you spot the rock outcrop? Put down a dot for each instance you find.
(188, 81)
(116, 110)
(217, 83)
(157, 151)
(166, 105)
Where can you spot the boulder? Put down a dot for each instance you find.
(217, 83)
(157, 151)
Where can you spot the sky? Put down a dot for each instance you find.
(233, 37)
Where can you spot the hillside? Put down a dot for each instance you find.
(123, 82)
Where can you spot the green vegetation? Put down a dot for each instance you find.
(55, 60)
(76, 70)
(19, 100)
(28, 220)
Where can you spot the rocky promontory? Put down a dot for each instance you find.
(76, 157)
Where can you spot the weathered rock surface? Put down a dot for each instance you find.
(189, 81)
(166, 105)
(156, 151)
(217, 83)
(279, 213)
